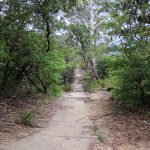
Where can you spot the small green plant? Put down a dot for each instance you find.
(100, 138)
(67, 88)
(90, 86)
(148, 114)
(97, 133)
(102, 83)
(26, 118)
(95, 129)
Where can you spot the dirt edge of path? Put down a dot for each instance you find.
(42, 108)
(117, 129)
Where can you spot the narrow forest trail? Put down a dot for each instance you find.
(69, 128)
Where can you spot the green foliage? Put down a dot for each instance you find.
(52, 66)
(32, 58)
(4, 55)
(82, 35)
(67, 88)
(91, 86)
(96, 131)
(26, 118)
(100, 138)
(130, 83)
(101, 69)
(127, 71)
(68, 78)
(149, 114)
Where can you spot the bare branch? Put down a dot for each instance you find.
(97, 25)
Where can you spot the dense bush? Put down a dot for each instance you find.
(28, 68)
(68, 77)
(32, 57)
(51, 67)
(130, 83)
(91, 86)
(128, 59)
(101, 67)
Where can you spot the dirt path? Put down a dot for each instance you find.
(69, 129)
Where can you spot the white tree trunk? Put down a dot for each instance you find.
(89, 19)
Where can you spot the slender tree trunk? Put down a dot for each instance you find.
(5, 76)
(92, 64)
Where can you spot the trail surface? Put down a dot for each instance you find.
(69, 129)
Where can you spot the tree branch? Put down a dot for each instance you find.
(97, 25)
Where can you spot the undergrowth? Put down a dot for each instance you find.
(91, 86)
(26, 118)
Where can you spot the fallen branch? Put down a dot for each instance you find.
(146, 122)
(103, 116)
(81, 118)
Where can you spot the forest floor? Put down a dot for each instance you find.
(11, 109)
(76, 121)
(118, 128)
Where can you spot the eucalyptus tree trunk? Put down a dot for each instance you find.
(92, 26)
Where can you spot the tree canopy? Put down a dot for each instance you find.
(42, 40)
